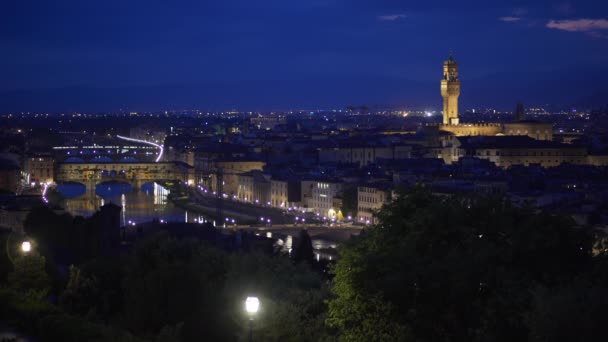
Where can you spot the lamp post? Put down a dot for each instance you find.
(252, 305)
(26, 247)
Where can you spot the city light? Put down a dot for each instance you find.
(160, 154)
(252, 305)
(26, 246)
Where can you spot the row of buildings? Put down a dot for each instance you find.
(340, 166)
(350, 172)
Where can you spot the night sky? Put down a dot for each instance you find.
(285, 54)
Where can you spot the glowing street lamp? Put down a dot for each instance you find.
(26, 247)
(252, 305)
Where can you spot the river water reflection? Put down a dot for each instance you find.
(139, 205)
(149, 203)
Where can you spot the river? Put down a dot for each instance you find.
(146, 204)
(139, 205)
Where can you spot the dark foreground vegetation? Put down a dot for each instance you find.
(456, 268)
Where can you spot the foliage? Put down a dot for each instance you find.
(29, 274)
(572, 312)
(43, 320)
(190, 289)
(292, 298)
(350, 201)
(63, 238)
(302, 250)
(80, 294)
(451, 269)
(63, 327)
(169, 282)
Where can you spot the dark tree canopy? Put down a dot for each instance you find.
(302, 249)
(457, 268)
(350, 202)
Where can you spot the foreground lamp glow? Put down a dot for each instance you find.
(26, 246)
(252, 305)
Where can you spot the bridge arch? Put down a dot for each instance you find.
(108, 188)
(71, 189)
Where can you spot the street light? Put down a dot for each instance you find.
(26, 246)
(252, 305)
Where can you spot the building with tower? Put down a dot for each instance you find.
(451, 126)
(520, 142)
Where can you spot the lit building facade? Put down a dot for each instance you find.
(39, 169)
(279, 193)
(519, 150)
(231, 168)
(323, 198)
(363, 155)
(371, 199)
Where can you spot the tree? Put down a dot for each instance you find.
(173, 282)
(29, 275)
(350, 203)
(187, 288)
(302, 250)
(292, 298)
(81, 293)
(455, 268)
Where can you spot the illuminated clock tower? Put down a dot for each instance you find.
(450, 90)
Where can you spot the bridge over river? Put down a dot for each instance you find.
(134, 173)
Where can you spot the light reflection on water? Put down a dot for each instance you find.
(323, 249)
(149, 203)
(139, 205)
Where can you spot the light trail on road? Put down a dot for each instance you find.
(160, 155)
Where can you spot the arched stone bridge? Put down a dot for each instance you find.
(91, 174)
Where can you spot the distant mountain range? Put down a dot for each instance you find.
(501, 90)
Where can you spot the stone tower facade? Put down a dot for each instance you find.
(450, 91)
(520, 113)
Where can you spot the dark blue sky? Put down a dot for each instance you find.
(98, 55)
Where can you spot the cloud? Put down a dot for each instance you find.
(579, 25)
(509, 19)
(391, 17)
(517, 15)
